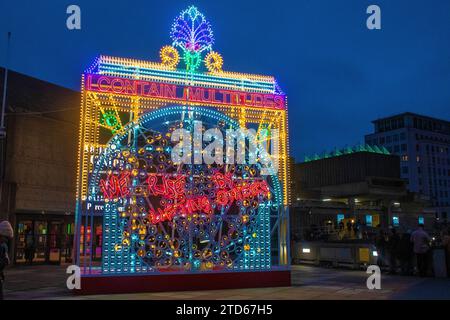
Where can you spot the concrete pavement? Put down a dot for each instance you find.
(49, 282)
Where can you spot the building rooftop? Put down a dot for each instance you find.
(30, 96)
(348, 150)
(410, 114)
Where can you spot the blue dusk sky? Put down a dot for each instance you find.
(338, 75)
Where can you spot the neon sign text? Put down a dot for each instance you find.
(102, 83)
(174, 200)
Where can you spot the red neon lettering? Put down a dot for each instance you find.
(185, 208)
(242, 192)
(170, 91)
(117, 85)
(279, 102)
(115, 186)
(195, 94)
(171, 188)
(223, 180)
(95, 82)
(103, 87)
(131, 87)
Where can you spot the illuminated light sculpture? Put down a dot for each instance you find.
(161, 218)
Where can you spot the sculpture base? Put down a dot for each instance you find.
(182, 282)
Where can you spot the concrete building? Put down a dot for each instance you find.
(38, 167)
(422, 143)
(353, 186)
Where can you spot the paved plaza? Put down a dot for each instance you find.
(48, 282)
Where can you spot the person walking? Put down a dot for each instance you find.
(6, 233)
(380, 243)
(29, 247)
(392, 246)
(421, 240)
(405, 253)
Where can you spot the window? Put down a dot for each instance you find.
(404, 158)
(394, 124)
(395, 221)
(421, 220)
(405, 170)
(402, 136)
(403, 147)
(368, 220)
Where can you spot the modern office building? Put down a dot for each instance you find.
(360, 185)
(422, 143)
(38, 161)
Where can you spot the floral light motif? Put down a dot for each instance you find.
(110, 120)
(214, 62)
(169, 56)
(191, 31)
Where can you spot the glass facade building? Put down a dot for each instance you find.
(422, 143)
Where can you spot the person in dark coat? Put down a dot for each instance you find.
(405, 254)
(446, 244)
(392, 246)
(380, 243)
(421, 241)
(29, 247)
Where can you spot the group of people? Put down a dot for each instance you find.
(399, 250)
(407, 253)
